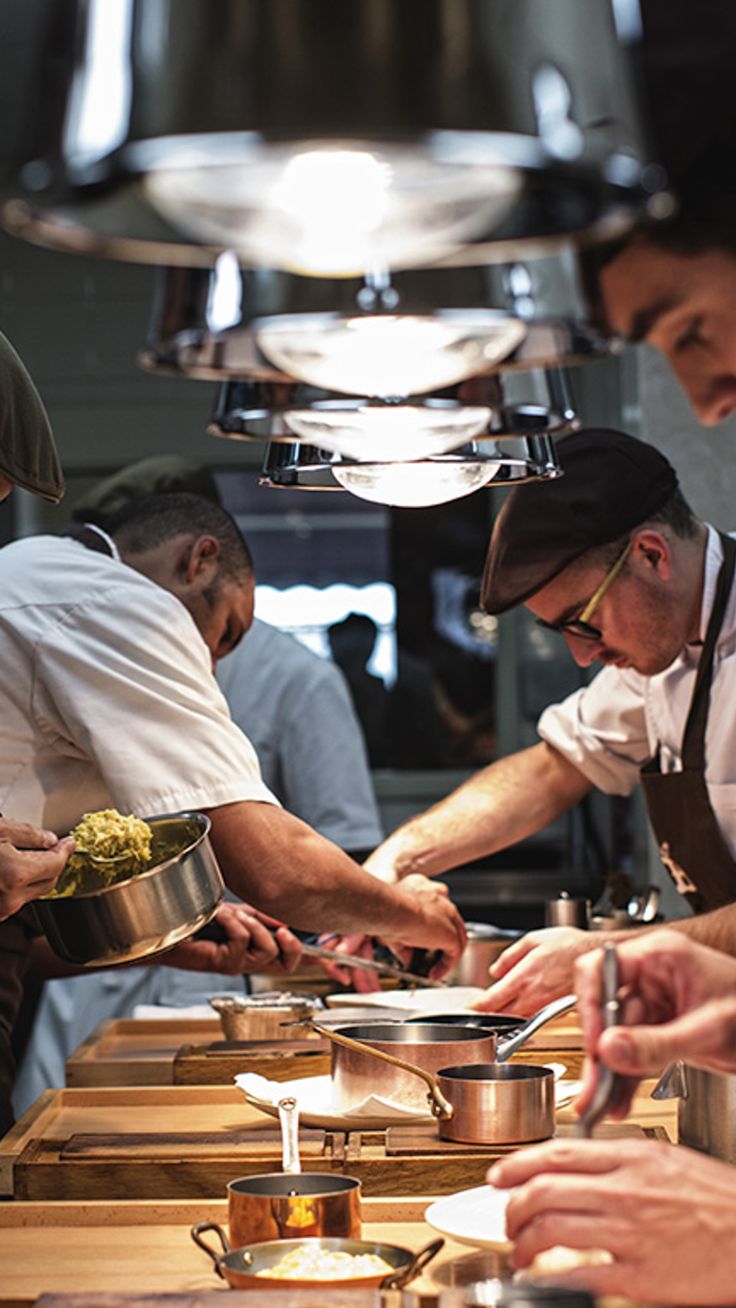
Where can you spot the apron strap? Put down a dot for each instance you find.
(693, 741)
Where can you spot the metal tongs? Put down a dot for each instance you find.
(609, 1083)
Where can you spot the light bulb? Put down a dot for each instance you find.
(330, 209)
(414, 485)
(388, 433)
(388, 354)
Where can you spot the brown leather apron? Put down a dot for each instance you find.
(691, 845)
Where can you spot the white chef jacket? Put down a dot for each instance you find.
(297, 711)
(609, 728)
(107, 696)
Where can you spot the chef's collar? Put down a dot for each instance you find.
(94, 538)
(28, 455)
(711, 567)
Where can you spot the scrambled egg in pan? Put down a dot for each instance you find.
(315, 1264)
(110, 847)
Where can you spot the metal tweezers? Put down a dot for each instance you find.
(609, 1084)
(370, 964)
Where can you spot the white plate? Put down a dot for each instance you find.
(444, 999)
(476, 1217)
(314, 1097)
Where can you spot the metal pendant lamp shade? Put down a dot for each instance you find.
(407, 333)
(331, 138)
(528, 405)
(416, 484)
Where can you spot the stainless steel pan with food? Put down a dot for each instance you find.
(262, 1266)
(474, 1103)
(154, 909)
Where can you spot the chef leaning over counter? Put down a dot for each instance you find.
(112, 702)
(611, 558)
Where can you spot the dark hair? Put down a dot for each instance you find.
(145, 523)
(674, 513)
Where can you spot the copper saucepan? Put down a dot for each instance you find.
(479, 1103)
(429, 1044)
(292, 1204)
(241, 1267)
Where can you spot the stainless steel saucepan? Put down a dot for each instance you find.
(430, 1044)
(147, 913)
(477, 1103)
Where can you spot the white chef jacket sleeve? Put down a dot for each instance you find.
(602, 729)
(126, 681)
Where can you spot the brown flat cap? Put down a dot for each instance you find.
(611, 484)
(27, 451)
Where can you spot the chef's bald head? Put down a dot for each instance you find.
(146, 523)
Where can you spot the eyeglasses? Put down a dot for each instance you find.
(581, 627)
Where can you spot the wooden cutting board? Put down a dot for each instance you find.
(136, 1051)
(100, 1167)
(220, 1062)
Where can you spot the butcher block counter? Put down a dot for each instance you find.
(145, 1248)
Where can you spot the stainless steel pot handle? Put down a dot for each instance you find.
(514, 1042)
(289, 1121)
(672, 1084)
(398, 1279)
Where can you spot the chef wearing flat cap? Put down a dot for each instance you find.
(611, 558)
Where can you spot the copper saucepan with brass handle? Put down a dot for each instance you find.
(477, 1103)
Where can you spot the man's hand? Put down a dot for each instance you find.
(254, 942)
(678, 1000)
(359, 978)
(666, 1214)
(30, 863)
(438, 923)
(534, 970)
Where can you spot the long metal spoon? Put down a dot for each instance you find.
(608, 1085)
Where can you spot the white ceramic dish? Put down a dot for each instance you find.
(476, 1217)
(314, 1097)
(445, 999)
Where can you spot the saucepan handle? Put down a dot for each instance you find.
(198, 1231)
(401, 1277)
(520, 1037)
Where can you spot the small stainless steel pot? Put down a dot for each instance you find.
(484, 945)
(253, 1017)
(706, 1113)
(428, 1045)
(481, 1103)
(240, 1267)
(147, 913)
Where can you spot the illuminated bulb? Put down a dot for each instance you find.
(328, 210)
(388, 433)
(414, 485)
(386, 354)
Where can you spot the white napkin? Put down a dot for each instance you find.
(314, 1095)
(153, 1011)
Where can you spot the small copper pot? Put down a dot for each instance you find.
(279, 1206)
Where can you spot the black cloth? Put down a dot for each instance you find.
(691, 844)
(16, 935)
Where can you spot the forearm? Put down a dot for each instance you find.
(283, 867)
(506, 802)
(716, 929)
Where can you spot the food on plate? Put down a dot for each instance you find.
(111, 846)
(309, 1263)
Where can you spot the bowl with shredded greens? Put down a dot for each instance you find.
(132, 888)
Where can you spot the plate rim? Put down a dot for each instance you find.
(475, 1243)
